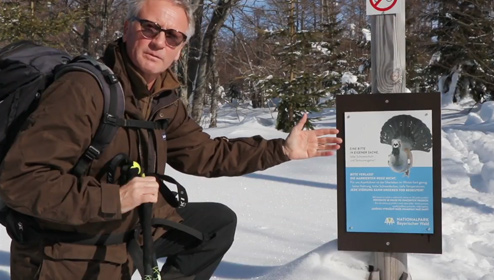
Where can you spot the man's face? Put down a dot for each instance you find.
(152, 56)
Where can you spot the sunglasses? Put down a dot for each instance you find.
(152, 29)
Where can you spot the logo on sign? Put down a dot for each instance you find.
(389, 221)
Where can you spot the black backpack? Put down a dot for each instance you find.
(26, 70)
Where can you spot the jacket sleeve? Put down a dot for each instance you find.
(192, 151)
(35, 178)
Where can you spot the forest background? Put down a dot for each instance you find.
(292, 55)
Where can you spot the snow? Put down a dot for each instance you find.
(287, 215)
(367, 34)
(320, 48)
(348, 78)
(450, 90)
(484, 116)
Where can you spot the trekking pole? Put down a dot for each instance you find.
(130, 169)
(151, 269)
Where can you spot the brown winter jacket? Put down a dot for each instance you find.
(35, 178)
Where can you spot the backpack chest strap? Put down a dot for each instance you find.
(130, 123)
(96, 148)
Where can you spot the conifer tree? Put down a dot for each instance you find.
(307, 54)
(38, 21)
(417, 28)
(463, 42)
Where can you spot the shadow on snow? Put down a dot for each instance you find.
(467, 202)
(291, 181)
(241, 271)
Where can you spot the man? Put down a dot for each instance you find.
(36, 178)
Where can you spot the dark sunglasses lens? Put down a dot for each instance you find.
(174, 38)
(149, 30)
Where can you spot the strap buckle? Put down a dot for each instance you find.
(110, 77)
(92, 153)
(111, 120)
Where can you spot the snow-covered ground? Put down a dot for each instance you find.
(287, 220)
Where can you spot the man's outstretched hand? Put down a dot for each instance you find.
(301, 144)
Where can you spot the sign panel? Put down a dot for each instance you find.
(387, 7)
(389, 173)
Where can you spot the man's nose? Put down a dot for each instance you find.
(160, 40)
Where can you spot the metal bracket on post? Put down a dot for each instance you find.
(405, 276)
(374, 275)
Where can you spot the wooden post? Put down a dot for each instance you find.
(389, 76)
(391, 266)
(388, 53)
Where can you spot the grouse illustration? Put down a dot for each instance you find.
(405, 133)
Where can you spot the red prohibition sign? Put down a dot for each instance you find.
(377, 2)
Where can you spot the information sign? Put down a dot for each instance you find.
(389, 172)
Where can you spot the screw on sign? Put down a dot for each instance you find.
(383, 5)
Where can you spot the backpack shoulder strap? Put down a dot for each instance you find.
(114, 107)
(113, 111)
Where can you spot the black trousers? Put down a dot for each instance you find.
(188, 258)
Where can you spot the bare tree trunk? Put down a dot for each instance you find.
(104, 30)
(194, 52)
(181, 70)
(219, 16)
(291, 23)
(300, 19)
(87, 28)
(325, 11)
(215, 94)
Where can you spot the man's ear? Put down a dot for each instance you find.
(126, 30)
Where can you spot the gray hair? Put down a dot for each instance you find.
(135, 6)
